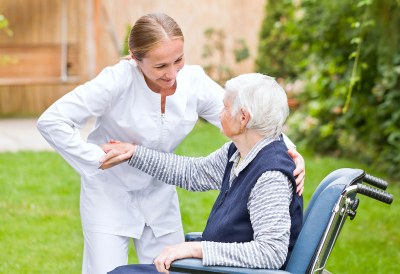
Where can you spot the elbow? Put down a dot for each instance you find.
(275, 262)
(279, 263)
(40, 124)
(43, 122)
(280, 258)
(274, 257)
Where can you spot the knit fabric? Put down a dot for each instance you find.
(268, 203)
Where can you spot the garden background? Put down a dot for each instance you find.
(339, 62)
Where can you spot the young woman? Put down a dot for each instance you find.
(155, 100)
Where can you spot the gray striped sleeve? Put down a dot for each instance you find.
(193, 174)
(268, 206)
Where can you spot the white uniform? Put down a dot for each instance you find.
(123, 200)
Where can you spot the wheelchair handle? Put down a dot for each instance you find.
(376, 194)
(375, 181)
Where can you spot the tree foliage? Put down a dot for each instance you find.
(348, 54)
(125, 50)
(4, 25)
(216, 53)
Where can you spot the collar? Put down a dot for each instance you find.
(250, 156)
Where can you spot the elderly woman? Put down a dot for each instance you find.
(257, 216)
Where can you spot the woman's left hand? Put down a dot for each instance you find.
(180, 251)
(300, 171)
(122, 158)
(117, 153)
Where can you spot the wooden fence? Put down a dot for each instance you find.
(60, 44)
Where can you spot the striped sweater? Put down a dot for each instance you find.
(268, 203)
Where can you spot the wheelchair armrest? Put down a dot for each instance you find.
(196, 266)
(190, 237)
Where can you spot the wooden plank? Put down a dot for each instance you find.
(73, 63)
(91, 48)
(38, 62)
(33, 21)
(96, 9)
(33, 61)
(35, 81)
(238, 18)
(32, 85)
(31, 99)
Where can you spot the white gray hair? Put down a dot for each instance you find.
(263, 98)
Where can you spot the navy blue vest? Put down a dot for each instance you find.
(229, 220)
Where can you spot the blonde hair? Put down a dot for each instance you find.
(149, 31)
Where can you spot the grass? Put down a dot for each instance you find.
(40, 229)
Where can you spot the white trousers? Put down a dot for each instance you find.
(104, 252)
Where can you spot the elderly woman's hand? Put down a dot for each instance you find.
(300, 171)
(117, 153)
(180, 251)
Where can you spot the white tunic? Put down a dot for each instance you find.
(121, 200)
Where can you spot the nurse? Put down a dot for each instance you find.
(154, 99)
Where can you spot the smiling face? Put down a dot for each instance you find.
(161, 64)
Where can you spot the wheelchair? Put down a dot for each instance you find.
(332, 202)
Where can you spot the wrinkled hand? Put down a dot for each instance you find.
(180, 251)
(300, 171)
(117, 153)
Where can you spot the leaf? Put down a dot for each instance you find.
(396, 58)
(242, 51)
(364, 65)
(3, 24)
(4, 60)
(207, 51)
(352, 55)
(355, 25)
(356, 40)
(209, 32)
(364, 3)
(354, 80)
(9, 32)
(326, 130)
(277, 24)
(370, 23)
(396, 115)
(394, 138)
(360, 4)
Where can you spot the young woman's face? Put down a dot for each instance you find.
(161, 64)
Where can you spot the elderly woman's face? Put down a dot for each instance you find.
(161, 64)
(230, 126)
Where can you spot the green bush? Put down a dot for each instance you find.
(345, 52)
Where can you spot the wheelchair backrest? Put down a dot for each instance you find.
(316, 217)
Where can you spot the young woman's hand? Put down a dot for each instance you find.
(117, 153)
(180, 251)
(300, 171)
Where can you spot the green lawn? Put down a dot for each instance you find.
(40, 229)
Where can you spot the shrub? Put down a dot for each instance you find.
(347, 52)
